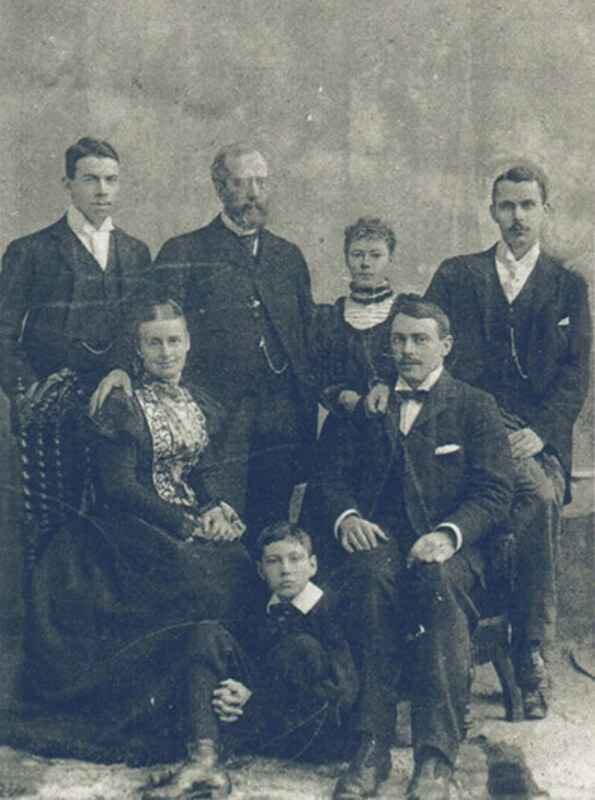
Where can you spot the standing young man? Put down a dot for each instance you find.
(522, 332)
(63, 289)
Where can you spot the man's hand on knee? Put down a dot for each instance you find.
(525, 443)
(116, 379)
(356, 533)
(436, 547)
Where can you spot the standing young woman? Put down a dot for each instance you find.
(352, 337)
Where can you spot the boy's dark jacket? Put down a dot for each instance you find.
(262, 631)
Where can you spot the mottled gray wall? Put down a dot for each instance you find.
(405, 109)
(397, 108)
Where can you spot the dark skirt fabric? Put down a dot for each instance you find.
(113, 602)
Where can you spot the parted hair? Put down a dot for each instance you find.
(370, 228)
(152, 311)
(279, 532)
(413, 305)
(87, 146)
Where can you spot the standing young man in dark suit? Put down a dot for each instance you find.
(247, 299)
(63, 289)
(522, 332)
(409, 495)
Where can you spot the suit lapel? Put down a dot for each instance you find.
(541, 285)
(482, 269)
(124, 252)
(436, 402)
(418, 446)
(67, 245)
(391, 421)
(268, 279)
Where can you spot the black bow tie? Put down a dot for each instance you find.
(419, 395)
(284, 614)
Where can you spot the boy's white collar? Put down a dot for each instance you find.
(304, 601)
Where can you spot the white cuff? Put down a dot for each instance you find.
(454, 529)
(350, 512)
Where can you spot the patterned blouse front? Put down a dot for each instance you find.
(179, 434)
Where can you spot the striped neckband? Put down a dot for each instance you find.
(366, 296)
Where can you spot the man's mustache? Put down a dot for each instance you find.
(253, 206)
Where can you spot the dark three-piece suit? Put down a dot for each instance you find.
(249, 317)
(533, 355)
(452, 466)
(58, 308)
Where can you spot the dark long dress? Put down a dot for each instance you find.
(116, 599)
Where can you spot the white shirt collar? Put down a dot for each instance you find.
(425, 385)
(229, 223)
(79, 224)
(525, 263)
(304, 601)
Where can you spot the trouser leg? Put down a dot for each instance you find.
(536, 513)
(214, 656)
(262, 450)
(441, 658)
(291, 705)
(367, 584)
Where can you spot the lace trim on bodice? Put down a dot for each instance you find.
(179, 434)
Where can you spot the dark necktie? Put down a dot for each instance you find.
(411, 394)
(248, 242)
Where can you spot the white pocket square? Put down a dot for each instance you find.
(564, 322)
(445, 449)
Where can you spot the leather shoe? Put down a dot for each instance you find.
(201, 776)
(534, 682)
(432, 780)
(534, 704)
(369, 767)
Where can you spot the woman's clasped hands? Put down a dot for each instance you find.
(220, 523)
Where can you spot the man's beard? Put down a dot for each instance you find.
(248, 216)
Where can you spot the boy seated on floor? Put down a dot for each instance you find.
(281, 686)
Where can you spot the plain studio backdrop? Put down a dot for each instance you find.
(405, 109)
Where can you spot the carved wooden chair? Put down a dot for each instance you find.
(57, 467)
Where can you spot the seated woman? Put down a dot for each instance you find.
(352, 337)
(117, 599)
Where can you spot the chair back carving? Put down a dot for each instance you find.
(57, 466)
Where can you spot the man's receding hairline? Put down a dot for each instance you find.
(224, 155)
